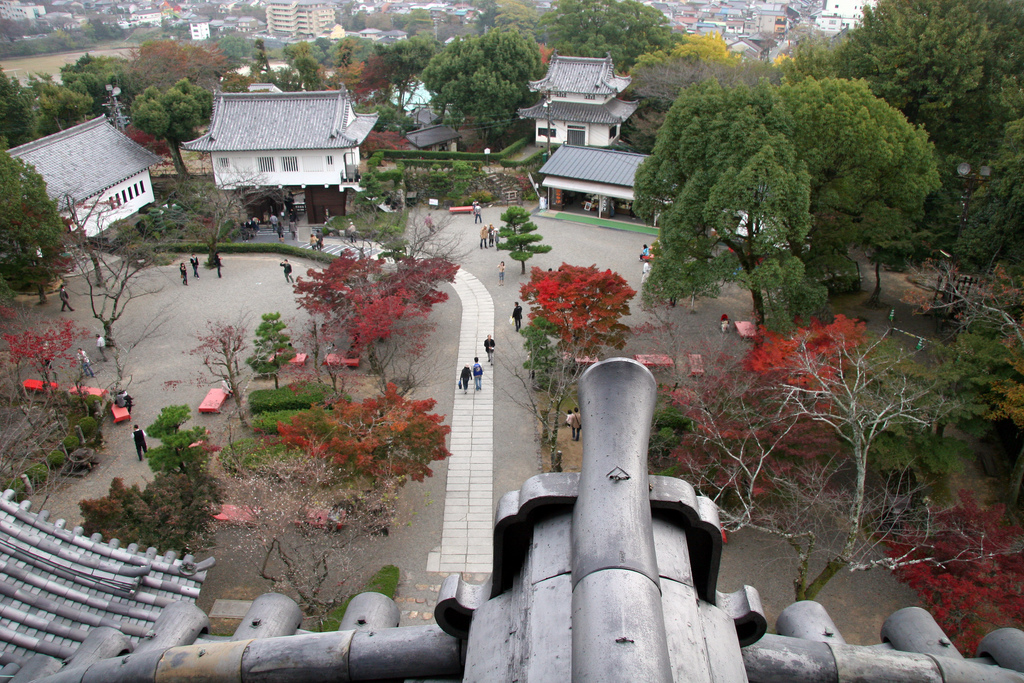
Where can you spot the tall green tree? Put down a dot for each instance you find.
(305, 59)
(946, 64)
(91, 75)
(518, 238)
(486, 78)
(58, 107)
(174, 115)
(31, 229)
(17, 118)
(594, 28)
(731, 194)
(403, 61)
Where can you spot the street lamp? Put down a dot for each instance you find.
(115, 107)
(547, 115)
(972, 181)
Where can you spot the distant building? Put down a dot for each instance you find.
(301, 142)
(579, 105)
(839, 15)
(95, 174)
(151, 17)
(16, 11)
(299, 17)
(200, 30)
(434, 139)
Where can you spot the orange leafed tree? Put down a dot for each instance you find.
(584, 303)
(385, 437)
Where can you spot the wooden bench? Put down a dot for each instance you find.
(38, 385)
(120, 414)
(213, 401)
(87, 391)
(696, 362)
(334, 359)
(746, 329)
(461, 209)
(654, 360)
(299, 359)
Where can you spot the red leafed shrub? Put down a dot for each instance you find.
(382, 140)
(971, 573)
(153, 144)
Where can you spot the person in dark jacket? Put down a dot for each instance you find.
(464, 378)
(140, 441)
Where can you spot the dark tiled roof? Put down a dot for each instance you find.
(594, 164)
(611, 112)
(58, 585)
(425, 137)
(581, 75)
(244, 122)
(424, 116)
(85, 160)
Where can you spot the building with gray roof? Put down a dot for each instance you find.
(298, 141)
(96, 174)
(606, 575)
(602, 178)
(579, 105)
(434, 138)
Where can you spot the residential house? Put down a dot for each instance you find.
(388, 37)
(301, 18)
(424, 116)
(300, 142)
(247, 24)
(579, 106)
(146, 17)
(95, 173)
(200, 30)
(434, 139)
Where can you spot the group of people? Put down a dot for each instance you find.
(316, 241)
(488, 236)
(194, 262)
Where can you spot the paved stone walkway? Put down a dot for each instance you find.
(466, 533)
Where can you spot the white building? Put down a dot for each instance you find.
(579, 106)
(200, 30)
(837, 15)
(142, 17)
(95, 174)
(304, 142)
(16, 11)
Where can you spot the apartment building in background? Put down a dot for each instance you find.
(299, 17)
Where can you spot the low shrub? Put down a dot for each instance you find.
(249, 248)
(291, 397)
(37, 473)
(253, 454)
(266, 423)
(89, 427)
(16, 485)
(482, 196)
(56, 459)
(71, 442)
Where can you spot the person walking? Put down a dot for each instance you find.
(501, 274)
(478, 374)
(350, 232)
(646, 272)
(464, 379)
(287, 270)
(725, 323)
(216, 262)
(101, 344)
(195, 266)
(489, 348)
(65, 300)
(140, 441)
(483, 237)
(575, 424)
(517, 316)
(491, 234)
(184, 273)
(477, 213)
(83, 358)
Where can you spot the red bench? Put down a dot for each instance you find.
(585, 360)
(236, 514)
(746, 330)
(213, 401)
(120, 414)
(335, 359)
(38, 385)
(461, 209)
(299, 359)
(87, 391)
(696, 364)
(654, 360)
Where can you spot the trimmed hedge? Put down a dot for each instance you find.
(266, 423)
(248, 248)
(293, 397)
(534, 159)
(252, 454)
(56, 459)
(453, 156)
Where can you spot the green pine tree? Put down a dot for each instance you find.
(271, 349)
(518, 238)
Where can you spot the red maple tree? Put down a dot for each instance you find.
(775, 352)
(384, 438)
(46, 349)
(585, 304)
(970, 575)
(382, 140)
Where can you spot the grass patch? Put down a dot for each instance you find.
(384, 581)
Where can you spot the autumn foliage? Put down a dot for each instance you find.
(384, 437)
(776, 352)
(45, 349)
(584, 303)
(968, 595)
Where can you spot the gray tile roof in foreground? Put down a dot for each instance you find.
(425, 137)
(85, 160)
(611, 112)
(268, 121)
(586, 75)
(608, 166)
(58, 585)
(606, 575)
